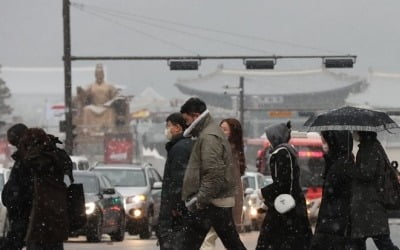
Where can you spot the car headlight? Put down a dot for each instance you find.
(137, 213)
(136, 198)
(90, 207)
(253, 212)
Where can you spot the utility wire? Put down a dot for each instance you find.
(178, 31)
(211, 29)
(135, 30)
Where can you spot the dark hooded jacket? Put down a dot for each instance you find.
(172, 207)
(17, 196)
(17, 192)
(49, 219)
(368, 216)
(292, 229)
(334, 214)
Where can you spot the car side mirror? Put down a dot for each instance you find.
(109, 191)
(248, 191)
(157, 185)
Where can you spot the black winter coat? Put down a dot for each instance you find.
(292, 229)
(368, 216)
(172, 206)
(18, 191)
(49, 219)
(334, 213)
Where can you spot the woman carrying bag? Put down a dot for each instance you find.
(286, 224)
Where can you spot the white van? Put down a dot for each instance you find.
(80, 163)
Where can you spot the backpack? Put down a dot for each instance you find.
(75, 196)
(390, 185)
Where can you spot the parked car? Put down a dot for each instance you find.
(140, 184)
(253, 209)
(4, 174)
(80, 163)
(104, 208)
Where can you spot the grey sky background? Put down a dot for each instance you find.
(31, 35)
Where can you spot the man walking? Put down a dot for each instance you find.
(208, 186)
(170, 227)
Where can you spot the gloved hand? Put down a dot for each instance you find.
(191, 204)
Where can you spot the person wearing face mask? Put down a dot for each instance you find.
(209, 185)
(233, 131)
(333, 224)
(367, 214)
(170, 227)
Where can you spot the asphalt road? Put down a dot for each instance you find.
(133, 242)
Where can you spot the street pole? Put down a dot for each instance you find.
(67, 77)
(241, 100)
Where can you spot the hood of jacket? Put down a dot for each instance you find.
(278, 134)
(339, 142)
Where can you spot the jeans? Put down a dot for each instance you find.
(199, 222)
(382, 242)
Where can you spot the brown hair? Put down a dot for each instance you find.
(236, 139)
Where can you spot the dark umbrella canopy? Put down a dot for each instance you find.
(351, 118)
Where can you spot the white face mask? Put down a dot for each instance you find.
(168, 134)
(356, 136)
(325, 147)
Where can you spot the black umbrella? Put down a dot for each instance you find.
(351, 118)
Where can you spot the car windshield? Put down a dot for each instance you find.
(125, 177)
(251, 182)
(90, 183)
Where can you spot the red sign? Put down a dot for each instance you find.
(118, 149)
(4, 152)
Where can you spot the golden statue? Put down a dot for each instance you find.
(94, 105)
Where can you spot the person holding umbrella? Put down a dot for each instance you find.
(367, 214)
(334, 214)
(368, 217)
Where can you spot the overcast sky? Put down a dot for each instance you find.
(31, 34)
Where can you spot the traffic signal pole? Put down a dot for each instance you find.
(67, 77)
(241, 100)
